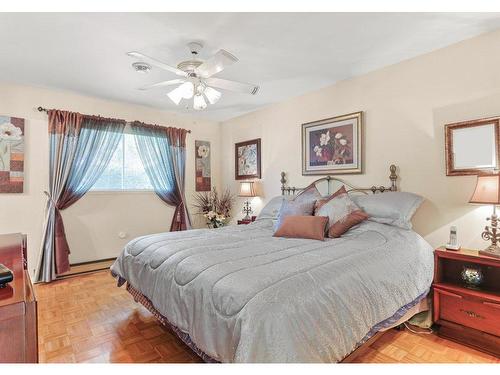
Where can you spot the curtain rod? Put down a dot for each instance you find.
(41, 109)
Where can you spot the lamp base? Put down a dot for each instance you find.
(492, 251)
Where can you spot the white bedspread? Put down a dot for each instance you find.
(245, 296)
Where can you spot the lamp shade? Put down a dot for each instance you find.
(247, 189)
(487, 190)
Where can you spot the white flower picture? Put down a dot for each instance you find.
(9, 132)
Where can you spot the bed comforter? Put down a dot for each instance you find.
(245, 296)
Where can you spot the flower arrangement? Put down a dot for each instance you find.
(215, 208)
(333, 150)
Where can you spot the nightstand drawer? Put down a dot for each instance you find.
(474, 313)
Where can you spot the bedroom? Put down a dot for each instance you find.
(117, 127)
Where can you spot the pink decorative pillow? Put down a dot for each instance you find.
(342, 226)
(342, 214)
(322, 201)
(311, 227)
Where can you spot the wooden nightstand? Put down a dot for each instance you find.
(469, 316)
(240, 222)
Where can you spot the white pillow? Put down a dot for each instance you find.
(393, 208)
(272, 208)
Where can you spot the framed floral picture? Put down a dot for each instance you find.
(11, 154)
(203, 172)
(333, 145)
(247, 159)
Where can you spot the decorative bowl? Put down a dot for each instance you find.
(472, 276)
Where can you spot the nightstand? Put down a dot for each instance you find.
(240, 222)
(467, 315)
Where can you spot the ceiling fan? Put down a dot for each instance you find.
(196, 77)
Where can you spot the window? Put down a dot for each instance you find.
(125, 170)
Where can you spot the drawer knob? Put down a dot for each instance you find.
(471, 314)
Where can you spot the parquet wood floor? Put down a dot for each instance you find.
(88, 319)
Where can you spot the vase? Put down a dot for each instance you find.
(472, 276)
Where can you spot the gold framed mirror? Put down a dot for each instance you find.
(472, 147)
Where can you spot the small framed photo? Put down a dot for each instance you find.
(247, 160)
(333, 145)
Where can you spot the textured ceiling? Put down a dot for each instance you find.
(287, 54)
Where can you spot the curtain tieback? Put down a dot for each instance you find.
(50, 198)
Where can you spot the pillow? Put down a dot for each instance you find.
(294, 208)
(393, 208)
(310, 193)
(311, 227)
(322, 201)
(342, 214)
(272, 208)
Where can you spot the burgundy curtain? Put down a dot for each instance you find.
(163, 154)
(80, 149)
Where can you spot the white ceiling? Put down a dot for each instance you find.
(287, 54)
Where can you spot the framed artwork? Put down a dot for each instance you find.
(11, 154)
(247, 159)
(333, 145)
(203, 172)
(472, 147)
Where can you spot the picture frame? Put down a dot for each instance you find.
(472, 147)
(12, 150)
(247, 160)
(203, 173)
(333, 145)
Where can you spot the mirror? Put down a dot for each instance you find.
(472, 147)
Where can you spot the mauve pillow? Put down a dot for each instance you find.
(322, 201)
(393, 208)
(294, 208)
(310, 227)
(342, 213)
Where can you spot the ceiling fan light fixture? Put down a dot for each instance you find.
(199, 103)
(187, 89)
(212, 95)
(176, 95)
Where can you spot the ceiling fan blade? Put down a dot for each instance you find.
(157, 63)
(162, 84)
(215, 64)
(246, 88)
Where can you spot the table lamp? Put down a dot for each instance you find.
(488, 192)
(247, 190)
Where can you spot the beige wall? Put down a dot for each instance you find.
(93, 223)
(406, 106)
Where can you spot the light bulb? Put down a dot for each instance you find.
(187, 89)
(176, 95)
(212, 95)
(199, 103)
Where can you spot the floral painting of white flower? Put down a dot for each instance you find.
(11, 154)
(203, 172)
(324, 139)
(332, 146)
(203, 151)
(9, 132)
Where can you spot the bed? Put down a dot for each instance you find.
(238, 294)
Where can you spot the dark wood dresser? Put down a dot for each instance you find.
(468, 315)
(18, 314)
